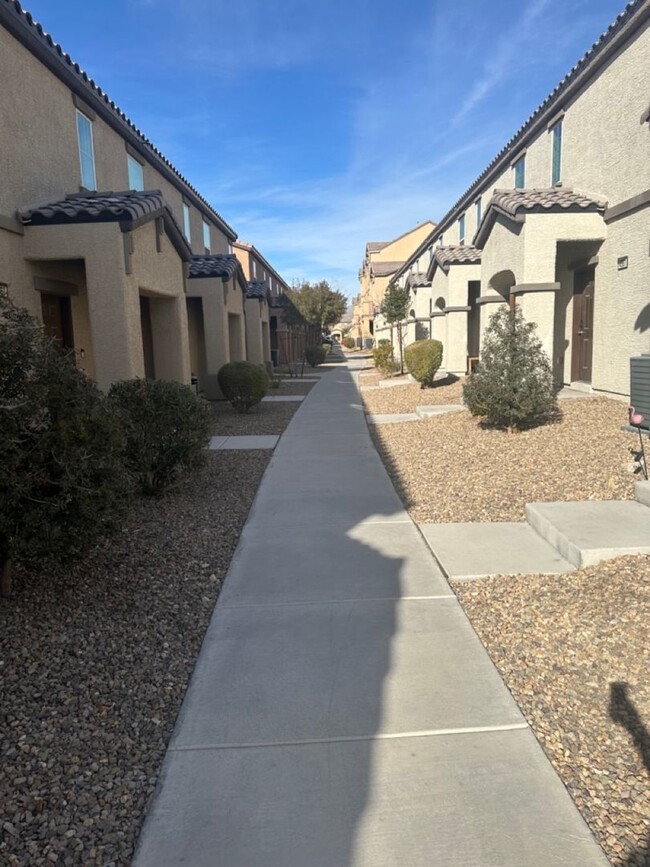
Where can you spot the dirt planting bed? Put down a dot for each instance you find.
(404, 398)
(574, 650)
(94, 663)
(449, 468)
(265, 418)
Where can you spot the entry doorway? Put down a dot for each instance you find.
(584, 286)
(147, 337)
(57, 320)
(473, 319)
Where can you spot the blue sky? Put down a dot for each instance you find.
(313, 126)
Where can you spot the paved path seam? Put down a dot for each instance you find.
(385, 736)
(338, 601)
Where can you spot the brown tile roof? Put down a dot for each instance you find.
(376, 246)
(621, 29)
(130, 209)
(384, 269)
(417, 279)
(30, 33)
(214, 265)
(257, 289)
(514, 204)
(454, 254)
(103, 207)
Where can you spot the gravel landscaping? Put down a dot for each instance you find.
(449, 468)
(263, 419)
(404, 398)
(95, 659)
(564, 645)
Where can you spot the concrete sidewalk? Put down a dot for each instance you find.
(342, 712)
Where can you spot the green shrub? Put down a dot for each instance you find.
(243, 384)
(383, 358)
(423, 359)
(348, 342)
(166, 426)
(62, 478)
(384, 342)
(315, 355)
(513, 385)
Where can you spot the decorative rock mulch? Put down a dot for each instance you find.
(265, 418)
(449, 469)
(94, 663)
(575, 652)
(407, 397)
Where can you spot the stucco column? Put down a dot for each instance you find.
(215, 329)
(170, 338)
(253, 324)
(537, 302)
(455, 357)
(487, 305)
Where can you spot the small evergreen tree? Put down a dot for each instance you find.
(513, 386)
(394, 309)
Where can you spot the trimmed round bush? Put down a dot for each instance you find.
(315, 355)
(166, 426)
(423, 359)
(384, 359)
(348, 342)
(243, 384)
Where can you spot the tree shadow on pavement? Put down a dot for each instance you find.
(623, 712)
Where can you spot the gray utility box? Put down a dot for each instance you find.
(640, 386)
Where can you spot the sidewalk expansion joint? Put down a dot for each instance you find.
(231, 605)
(430, 733)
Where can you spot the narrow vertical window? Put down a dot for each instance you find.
(206, 236)
(461, 229)
(430, 254)
(86, 153)
(556, 140)
(254, 268)
(478, 212)
(520, 173)
(136, 175)
(440, 240)
(186, 221)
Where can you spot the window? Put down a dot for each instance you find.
(520, 173)
(440, 240)
(206, 236)
(136, 175)
(186, 221)
(254, 268)
(478, 212)
(556, 144)
(86, 154)
(461, 229)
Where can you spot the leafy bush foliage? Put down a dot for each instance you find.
(315, 355)
(384, 342)
(62, 479)
(348, 342)
(423, 359)
(242, 383)
(166, 427)
(383, 358)
(513, 385)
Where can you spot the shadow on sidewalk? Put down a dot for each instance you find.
(623, 712)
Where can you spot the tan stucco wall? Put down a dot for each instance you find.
(40, 160)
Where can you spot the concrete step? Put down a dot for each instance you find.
(588, 532)
(437, 409)
(642, 492)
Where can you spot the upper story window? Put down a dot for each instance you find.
(254, 268)
(136, 175)
(206, 236)
(478, 212)
(440, 240)
(86, 152)
(186, 221)
(556, 145)
(520, 173)
(461, 229)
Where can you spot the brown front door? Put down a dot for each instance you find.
(57, 320)
(583, 324)
(147, 337)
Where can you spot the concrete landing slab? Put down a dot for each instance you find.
(392, 418)
(284, 398)
(370, 561)
(296, 379)
(454, 800)
(478, 550)
(588, 532)
(244, 442)
(568, 393)
(438, 409)
(394, 383)
(278, 673)
(642, 492)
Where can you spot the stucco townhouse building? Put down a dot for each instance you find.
(102, 238)
(381, 261)
(558, 222)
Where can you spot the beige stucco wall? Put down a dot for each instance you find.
(255, 318)
(40, 160)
